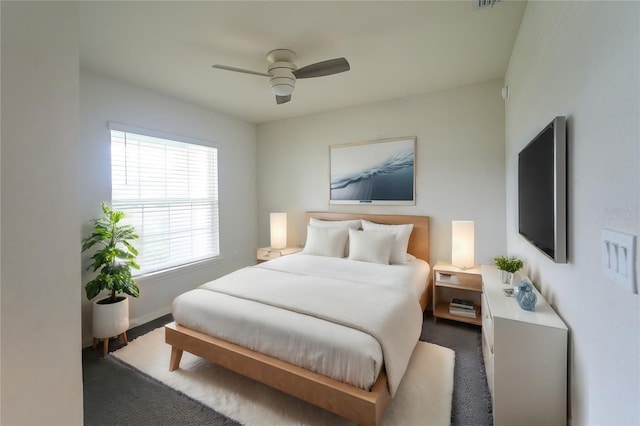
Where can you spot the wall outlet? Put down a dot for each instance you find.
(619, 258)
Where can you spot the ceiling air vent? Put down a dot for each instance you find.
(478, 4)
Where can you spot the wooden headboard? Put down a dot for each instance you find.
(418, 242)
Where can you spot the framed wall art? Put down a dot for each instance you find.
(377, 172)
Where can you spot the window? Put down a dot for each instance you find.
(169, 191)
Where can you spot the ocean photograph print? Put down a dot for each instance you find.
(375, 172)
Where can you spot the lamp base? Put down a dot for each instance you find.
(463, 267)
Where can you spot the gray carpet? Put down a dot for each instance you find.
(471, 404)
(116, 394)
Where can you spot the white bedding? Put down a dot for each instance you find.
(331, 349)
(411, 276)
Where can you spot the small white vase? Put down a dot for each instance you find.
(110, 319)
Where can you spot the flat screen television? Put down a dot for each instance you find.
(542, 191)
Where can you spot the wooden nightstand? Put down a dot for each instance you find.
(267, 253)
(451, 282)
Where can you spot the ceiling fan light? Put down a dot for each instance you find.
(282, 89)
(282, 86)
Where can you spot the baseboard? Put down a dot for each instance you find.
(134, 322)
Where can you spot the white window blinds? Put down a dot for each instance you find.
(169, 192)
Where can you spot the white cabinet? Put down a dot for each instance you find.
(525, 355)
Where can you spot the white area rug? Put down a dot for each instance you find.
(424, 396)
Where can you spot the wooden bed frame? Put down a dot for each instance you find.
(358, 405)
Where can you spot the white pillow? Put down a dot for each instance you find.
(402, 233)
(371, 246)
(353, 224)
(325, 241)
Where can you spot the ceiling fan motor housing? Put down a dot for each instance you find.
(282, 79)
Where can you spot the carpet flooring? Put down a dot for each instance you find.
(117, 394)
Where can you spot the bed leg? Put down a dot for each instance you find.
(176, 356)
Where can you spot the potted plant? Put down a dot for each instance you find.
(507, 267)
(114, 259)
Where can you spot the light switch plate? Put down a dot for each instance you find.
(619, 258)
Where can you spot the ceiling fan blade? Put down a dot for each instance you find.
(224, 67)
(320, 69)
(282, 99)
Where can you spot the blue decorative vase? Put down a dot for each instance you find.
(525, 296)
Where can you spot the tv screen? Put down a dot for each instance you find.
(542, 194)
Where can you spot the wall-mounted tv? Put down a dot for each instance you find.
(542, 191)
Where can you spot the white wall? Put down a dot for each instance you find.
(103, 100)
(459, 163)
(41, 359)
(581, 59)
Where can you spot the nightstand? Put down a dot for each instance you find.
(267, 253)
(450, 282)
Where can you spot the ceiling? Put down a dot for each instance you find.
(395, 49)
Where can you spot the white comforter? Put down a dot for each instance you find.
(365, 309)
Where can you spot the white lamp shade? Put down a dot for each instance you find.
(462, 242)
(278, 230)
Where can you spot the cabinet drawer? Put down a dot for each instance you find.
(487, 353)
(470, 280)
(487, 342)
(459, 280)
(487, 322)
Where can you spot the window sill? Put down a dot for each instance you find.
(178, 270)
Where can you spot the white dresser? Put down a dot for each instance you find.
(525, 355)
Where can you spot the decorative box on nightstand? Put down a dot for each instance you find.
(465, 285)
(268, 253)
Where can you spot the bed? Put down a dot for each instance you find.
(359, 392)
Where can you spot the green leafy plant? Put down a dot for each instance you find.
(508, 264)
(114, 258)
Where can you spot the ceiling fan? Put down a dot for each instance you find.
(283, 72)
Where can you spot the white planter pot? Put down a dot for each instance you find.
(505, 276)
(110, 319)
